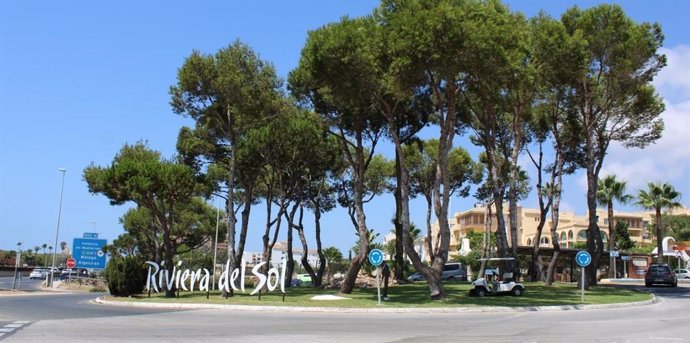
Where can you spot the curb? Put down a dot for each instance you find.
(478, 309)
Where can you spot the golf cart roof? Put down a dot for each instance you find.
(498, 259)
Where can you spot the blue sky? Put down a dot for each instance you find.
(78, 79)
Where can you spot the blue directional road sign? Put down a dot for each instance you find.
(583, 258)
(376, 257)
(89, 253)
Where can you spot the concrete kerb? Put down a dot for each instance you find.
(478, 309)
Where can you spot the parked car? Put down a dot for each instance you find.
(660, 274)
(302, 280)
(682, 273)
(38, 274)
(73, 273)
(451, 272)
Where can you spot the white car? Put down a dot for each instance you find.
(682, 273)
(38, 274)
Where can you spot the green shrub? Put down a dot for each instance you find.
(126, 276)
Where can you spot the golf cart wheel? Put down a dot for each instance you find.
(451, 279)
(517, 291)
(480, 292)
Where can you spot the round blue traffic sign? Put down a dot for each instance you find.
(583, 258)
(376, 257)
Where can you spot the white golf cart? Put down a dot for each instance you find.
(491, 284)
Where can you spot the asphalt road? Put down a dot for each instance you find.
(24, 284)
(72, 318)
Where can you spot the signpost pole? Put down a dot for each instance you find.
(378, 284)
(582, 281)
(583, 259)
(376, 259)
(16, 266)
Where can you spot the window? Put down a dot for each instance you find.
(448, 267)
(529, 241)
(570, 235)
(582, 235)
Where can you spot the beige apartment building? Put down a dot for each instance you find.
(572, 228)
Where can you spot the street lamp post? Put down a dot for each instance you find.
(57, 231)
(16, 264)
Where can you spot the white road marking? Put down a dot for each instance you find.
(14, 325)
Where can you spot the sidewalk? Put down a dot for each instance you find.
(638, 282)
(468, 309)
(42, 291)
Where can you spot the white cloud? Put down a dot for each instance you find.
(673, 82)
(667, 160)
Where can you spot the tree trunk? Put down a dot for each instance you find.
(513, 185)
(555, 199)
(230, 205)
(534, 269)
(432, 274)
(552, 264)
(246, 211)
(594, 243)
(399, 246)
(429, 236)
(359, 170)
(290, 266)
(266, 238)
(319, 249)
(169, 253)
(486, 239)
(535, 265)
(305, 248)
(498, 192)
(659, 237)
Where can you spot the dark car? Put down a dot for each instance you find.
(660, 274)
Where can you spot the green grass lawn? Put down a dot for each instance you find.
(413, 295)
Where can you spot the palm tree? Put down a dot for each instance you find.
(332, 255)
(659, 196)
(45, 256)
(608, 190)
